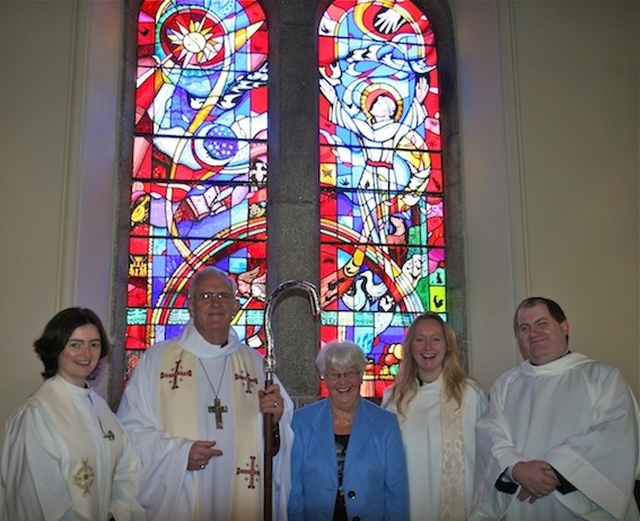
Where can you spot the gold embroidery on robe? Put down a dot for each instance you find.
(84, 477)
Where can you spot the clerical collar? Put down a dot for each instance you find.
(421, 382)
(567, 352)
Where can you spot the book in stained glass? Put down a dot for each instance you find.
(200, 163)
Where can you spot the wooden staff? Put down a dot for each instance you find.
(269, 369)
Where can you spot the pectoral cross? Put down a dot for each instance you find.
(218, 409)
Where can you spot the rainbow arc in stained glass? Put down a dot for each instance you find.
(382, 194)
(200, 163)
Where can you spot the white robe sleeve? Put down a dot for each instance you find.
(32, 470)
(495, 452)
(164, 459)
(282, 460)
(124, 505)
(601, 462)
(598, 455)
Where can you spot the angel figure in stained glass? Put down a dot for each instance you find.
(380, 132)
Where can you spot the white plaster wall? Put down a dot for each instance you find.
(549, 97)
(488, 144)
(58, 129)
(580, 167)
(35, 182)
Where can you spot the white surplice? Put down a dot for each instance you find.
(168, 491)
(422, 437)
(60, 463)
(578, 415)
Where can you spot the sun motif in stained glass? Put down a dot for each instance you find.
(193, 38)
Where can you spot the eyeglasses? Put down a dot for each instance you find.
(210, 296)
(349, 375)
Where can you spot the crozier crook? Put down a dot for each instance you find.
(272, 301)
(270, 368)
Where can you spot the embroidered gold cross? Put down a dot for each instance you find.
(218, 409)
(84, 477)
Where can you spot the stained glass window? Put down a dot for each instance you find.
(382, 200)
(200, 163)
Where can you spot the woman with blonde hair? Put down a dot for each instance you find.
(438, 406)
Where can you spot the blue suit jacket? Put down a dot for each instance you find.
(375, 479)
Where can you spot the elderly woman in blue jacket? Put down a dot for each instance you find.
(348, 460)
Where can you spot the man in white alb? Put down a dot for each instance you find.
(560, 438)
(194, 409)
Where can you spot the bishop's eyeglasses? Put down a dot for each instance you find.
(210, 296)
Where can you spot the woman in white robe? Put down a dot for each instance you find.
(66, 455)
(438, 407)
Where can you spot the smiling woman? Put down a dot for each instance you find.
(347, 460)
(80, 355)
(341, 366)
(65, 452)
(438, 406)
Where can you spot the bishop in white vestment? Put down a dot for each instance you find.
(193, 410)
(560, 438)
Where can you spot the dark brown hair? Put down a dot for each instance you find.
(57, 333)
(554, 310)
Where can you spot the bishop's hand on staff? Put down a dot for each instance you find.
(194, 408)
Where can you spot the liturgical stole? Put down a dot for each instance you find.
(453, 499)
(178, 416)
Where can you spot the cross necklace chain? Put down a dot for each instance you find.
(217, 408)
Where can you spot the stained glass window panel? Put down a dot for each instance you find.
(198, 193)
(382, 202)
